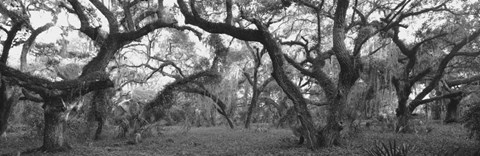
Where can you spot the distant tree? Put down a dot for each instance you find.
(253, 80)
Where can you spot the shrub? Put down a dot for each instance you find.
(33, 118)
(390, 149)
(471, 120)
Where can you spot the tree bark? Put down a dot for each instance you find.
(54, 138)
(403, 113)
(349, 73)
(452, 110)
(291, 90)
(98, 110)
(7, 103)
(5, 108)
(436, 107)
(257, 90)
(29, 44)
(213, 116)
(437, 110)
(253, 104)
(331, 132)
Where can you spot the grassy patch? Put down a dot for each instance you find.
(225, 141)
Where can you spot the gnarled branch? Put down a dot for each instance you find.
(66, 89)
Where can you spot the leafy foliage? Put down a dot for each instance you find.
(32, 117)
(392, 148)
(471, 119)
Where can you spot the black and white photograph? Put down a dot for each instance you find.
(240, 78)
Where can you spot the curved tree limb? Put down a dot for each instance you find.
(441, 68)
(191, 17)
(298, 66)
(84, 20)
(29, 43)
(463, 81)
(16, 18)
(112, 21)
(220, 104)
(8, 42)
(31, 97)
(228, 6)
(48, 89)
(449, 95)
(420, 75)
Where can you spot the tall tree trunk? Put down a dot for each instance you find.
(331, 132)
(437, 110)
(54, 138)
(231, 112)
(5, 107)
(436, 107)
(7, 103)
(402, 88)
(99, 107)
(257, 55)
(403, 115)
(289, 88)
(253, 105)
(349, 73)
(452, 110)
(100, 101)
(213, 115)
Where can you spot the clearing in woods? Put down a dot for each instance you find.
(257, 141)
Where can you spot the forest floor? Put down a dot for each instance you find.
(224, 141)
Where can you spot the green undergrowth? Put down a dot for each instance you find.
(224, 141)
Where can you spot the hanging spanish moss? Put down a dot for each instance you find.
(155, 109)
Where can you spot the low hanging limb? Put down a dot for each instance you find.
(66, 89)
(220, 104)
(449, 95)
(183, 85)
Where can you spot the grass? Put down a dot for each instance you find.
(225, 141)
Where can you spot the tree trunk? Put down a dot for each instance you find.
(402, 88)
(251, 108)
(213, 115)
(5, 108)
(231, 111)
(54, 138)
(292, 91)
(436, 107)
(6, 105)
(331, 132)
(437, 110)
(452, 110)
(403, 115)
(99, 108)
(402, 123)
(349, 73)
